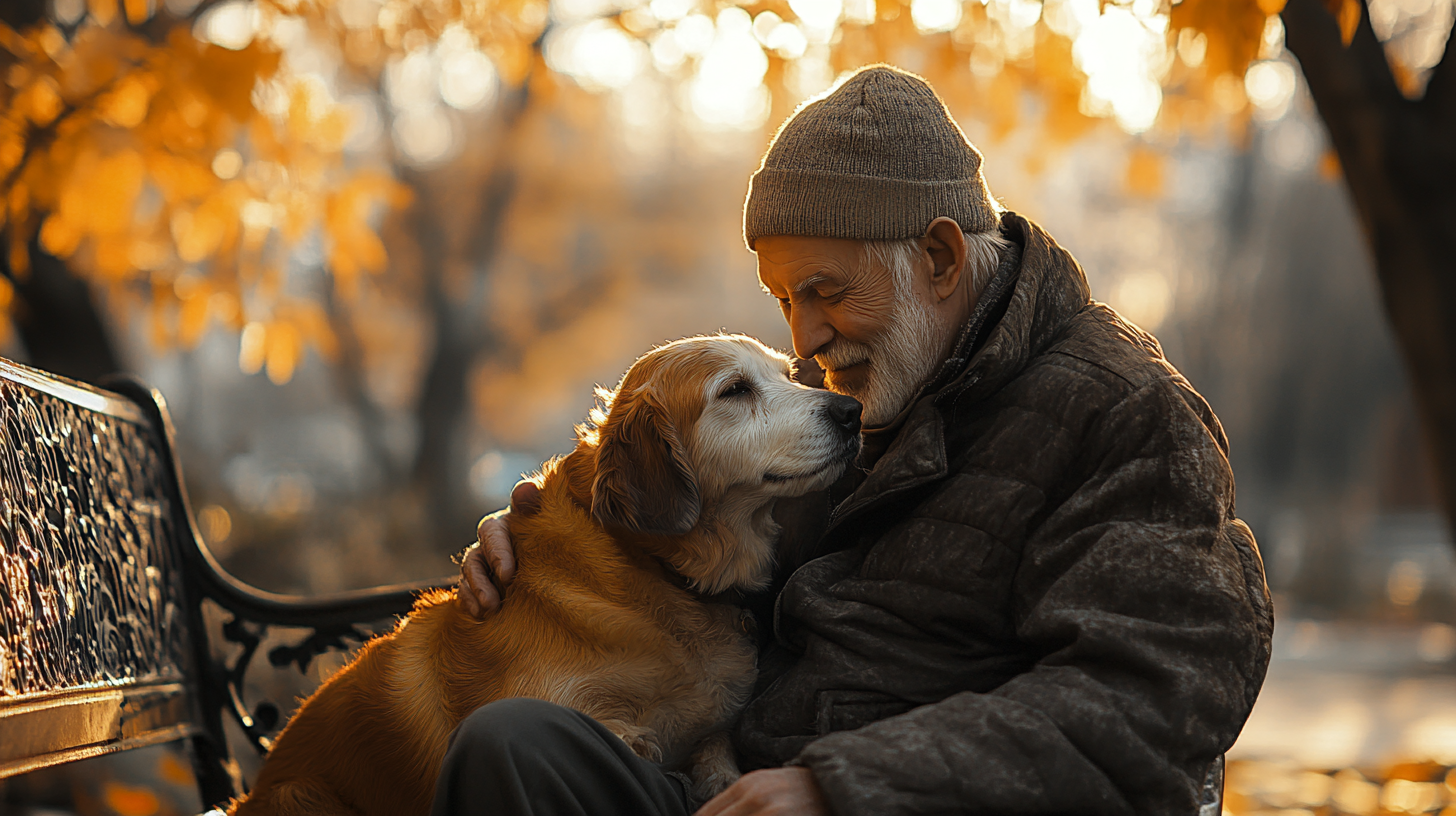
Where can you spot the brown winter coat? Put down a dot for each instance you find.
(1039, 599)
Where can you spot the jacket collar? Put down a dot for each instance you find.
(1037, 288)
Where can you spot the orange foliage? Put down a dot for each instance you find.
(1347, 12)
(178, 174)
(153, 166)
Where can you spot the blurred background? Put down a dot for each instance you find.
(377, 254)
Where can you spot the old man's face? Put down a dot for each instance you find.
(871, 329)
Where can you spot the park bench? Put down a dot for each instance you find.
(104, 644)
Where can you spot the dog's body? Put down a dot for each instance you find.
(680, 476)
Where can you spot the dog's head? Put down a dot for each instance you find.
(705, 421)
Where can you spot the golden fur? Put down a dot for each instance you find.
(679, 467)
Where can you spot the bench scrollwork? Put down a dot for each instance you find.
(103, 581)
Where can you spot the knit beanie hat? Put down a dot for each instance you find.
(877, 158)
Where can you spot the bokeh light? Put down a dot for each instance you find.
(231, 25)
(1270, 86)
(1144, 298)
(1124, 56)
(933, 16)
(596, 54)
(728, 89)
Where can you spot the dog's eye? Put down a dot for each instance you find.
(737, 388)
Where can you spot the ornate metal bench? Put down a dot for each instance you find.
(103, 581)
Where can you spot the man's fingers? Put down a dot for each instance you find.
(724, 804)
(495, 542)
(466, 595)
(478, 594)
(526, 498)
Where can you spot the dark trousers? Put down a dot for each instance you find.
(522, 757)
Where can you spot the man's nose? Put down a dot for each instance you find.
(811, 332)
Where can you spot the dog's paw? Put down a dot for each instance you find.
(642, 740)
(714, 767)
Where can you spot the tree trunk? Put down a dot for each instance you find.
(444, 395)
(57, 320)
(1399, 162)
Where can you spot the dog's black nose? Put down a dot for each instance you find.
(844, 412)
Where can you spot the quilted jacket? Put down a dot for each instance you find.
(1038, 600)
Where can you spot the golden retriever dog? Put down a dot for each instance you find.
(666, 499)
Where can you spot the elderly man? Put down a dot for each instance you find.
(1033, 598)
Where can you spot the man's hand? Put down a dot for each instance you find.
(807, 372)
(489, 567)
(772, 792)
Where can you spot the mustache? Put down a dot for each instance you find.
(843, 354)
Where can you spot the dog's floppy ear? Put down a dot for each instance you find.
(643, 481)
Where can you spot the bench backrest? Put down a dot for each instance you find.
(103, 578)
(95, 632)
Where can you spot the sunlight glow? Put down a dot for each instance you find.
(763, 26)
(1023, 13)
(230, 25)
(227, 163)
(670, 10)
(467, 77)
(1124, 58)
(811, 74)
(986, 61)
(931, 16)
(1434, 737)
(728, 89)
(1192, 47)
(598, 55)
(409, 83)
(426, 135)
(788, 41)
(68, 12)
(1143, 298)
(862, 12)
(1069, 17)
(358, 14)
(1123, 47)
(818, 15)
(667, 54)
(1415, 32)
(1270, 86)
(694, 34)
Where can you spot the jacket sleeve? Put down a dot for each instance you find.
(1144, 597)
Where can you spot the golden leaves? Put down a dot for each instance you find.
(1347, 13)
(39, 101)
(103, 11)
(355, 247)
(279, 344)
(154, 168)
(126, 105)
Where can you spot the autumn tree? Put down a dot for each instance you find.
(178, 156)
(1391, 118)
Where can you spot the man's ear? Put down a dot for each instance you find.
(946, 245)
(643, 482)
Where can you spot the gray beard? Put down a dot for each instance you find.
(901, 361)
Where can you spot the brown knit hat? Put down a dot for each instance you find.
(876, 159)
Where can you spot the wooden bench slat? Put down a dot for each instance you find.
(49, 730)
